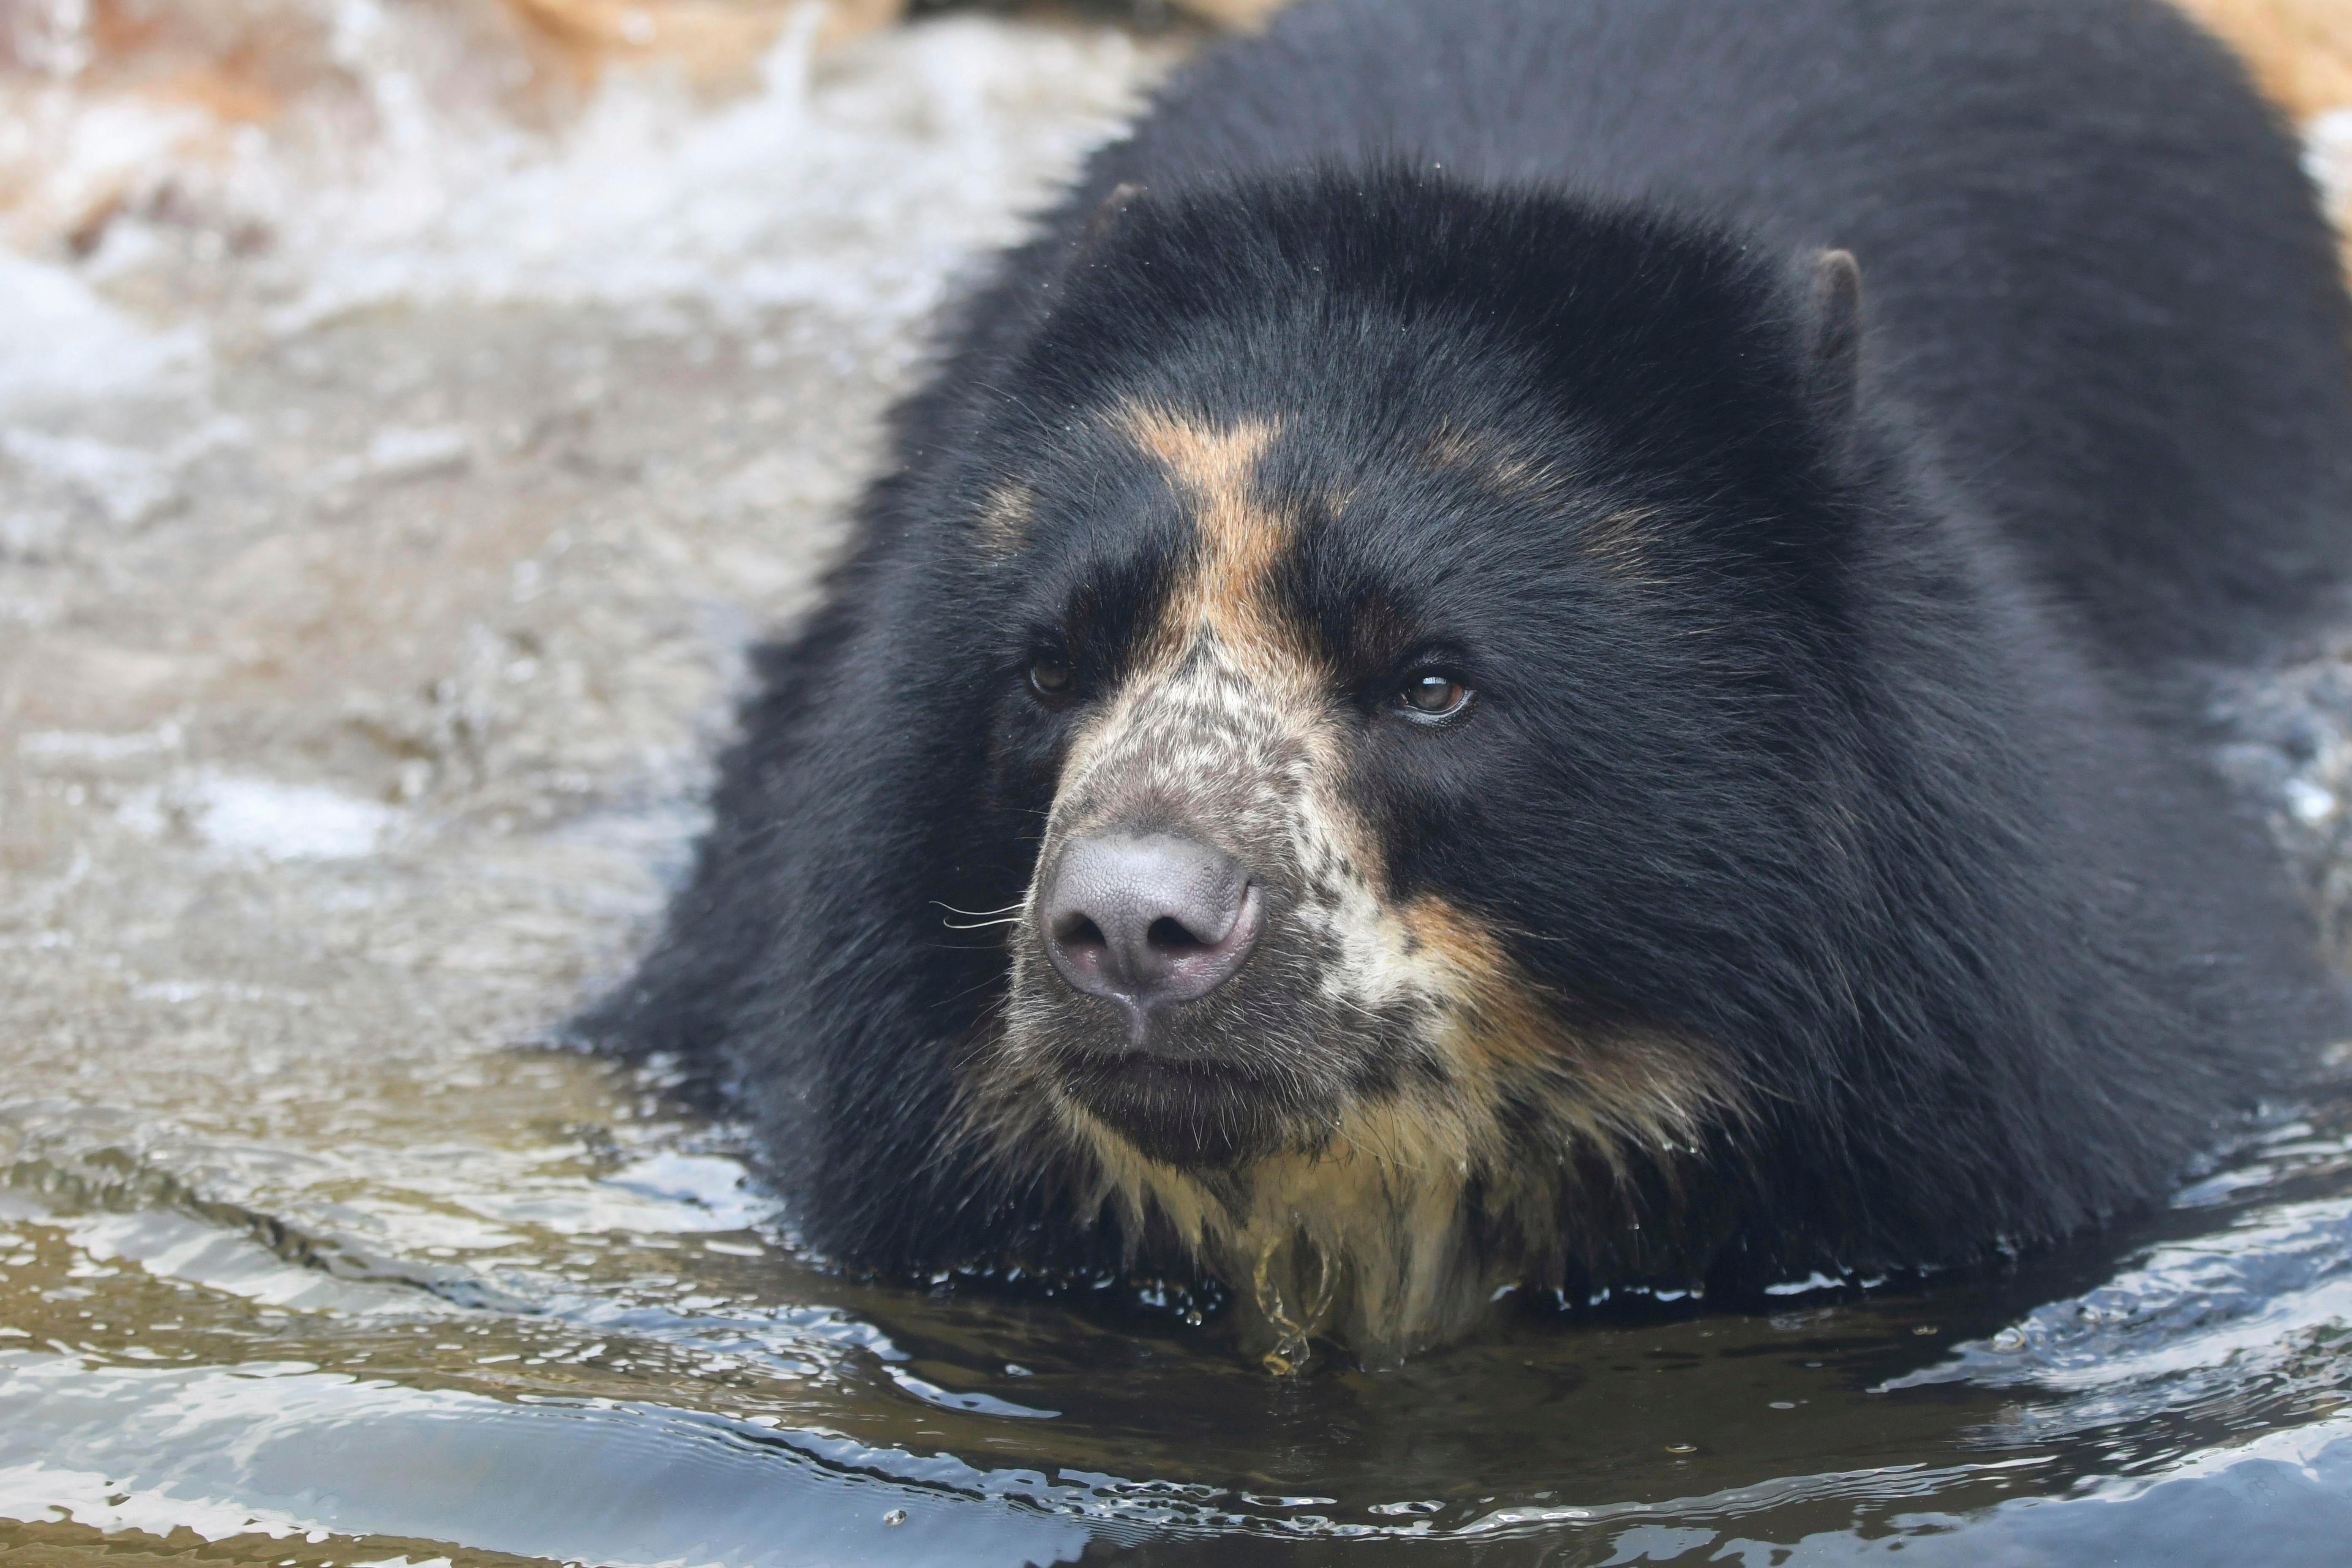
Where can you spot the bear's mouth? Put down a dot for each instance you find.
(1187, 1113)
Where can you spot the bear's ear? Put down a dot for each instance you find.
(1833, 340)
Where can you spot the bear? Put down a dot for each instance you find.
(1559, 646)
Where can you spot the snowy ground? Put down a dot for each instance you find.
(380, 521)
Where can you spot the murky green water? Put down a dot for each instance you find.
(379, 535)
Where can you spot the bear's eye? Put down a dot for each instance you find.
(1432, 694)
(1051, 679)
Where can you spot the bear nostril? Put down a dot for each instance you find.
(1169, 935)
(1077, 932)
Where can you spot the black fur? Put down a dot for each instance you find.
(1883, 769)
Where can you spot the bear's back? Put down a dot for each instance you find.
(2099, 286)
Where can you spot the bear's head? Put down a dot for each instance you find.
(1416, 607)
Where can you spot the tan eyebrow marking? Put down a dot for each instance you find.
(1216, 470)
(1005, 518)
(1488, 460)
(1616, 541)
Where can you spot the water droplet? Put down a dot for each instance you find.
(896, 1516)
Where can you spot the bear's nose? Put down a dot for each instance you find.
(1149, 920)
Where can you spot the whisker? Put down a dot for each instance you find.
(982, 925)
(977, 914)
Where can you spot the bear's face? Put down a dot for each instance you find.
(1288, 702)
(1384, 695)
(1276, 714)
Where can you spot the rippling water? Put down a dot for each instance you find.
(387, 490)
(532, 1313)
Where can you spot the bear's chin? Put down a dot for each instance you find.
(1191, 1115)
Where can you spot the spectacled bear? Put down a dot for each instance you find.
(1560, 643)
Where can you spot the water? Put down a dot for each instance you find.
(533, 1314)
(387, 491)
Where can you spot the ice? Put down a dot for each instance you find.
(380, 162)
(281, 821)
(128, 486)
(832, 185)
(69, 744)
(60, 343)
(396, 451)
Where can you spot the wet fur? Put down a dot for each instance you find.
(1827, 875)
